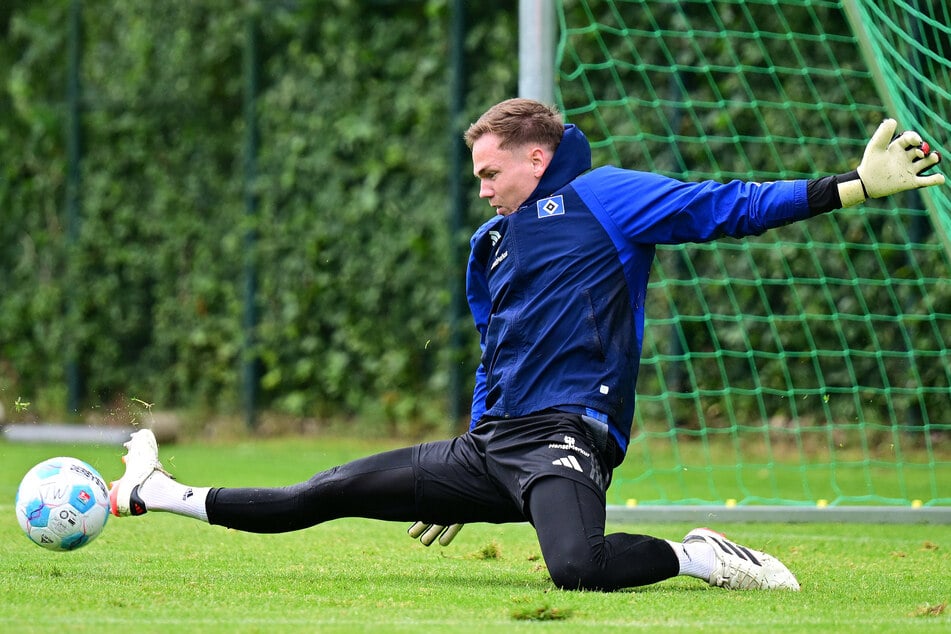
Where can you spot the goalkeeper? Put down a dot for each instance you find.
(556, 284)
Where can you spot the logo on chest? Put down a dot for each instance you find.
(498, 260)
(548, 207)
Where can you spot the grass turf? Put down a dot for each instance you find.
(162, 573)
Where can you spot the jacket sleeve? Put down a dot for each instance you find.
(478, 398)
(480, 305)
(653, 209)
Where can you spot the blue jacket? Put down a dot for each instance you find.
(557, 288)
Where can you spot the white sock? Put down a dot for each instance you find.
(696, 558)
(161, 493)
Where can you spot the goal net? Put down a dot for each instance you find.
(810, 365)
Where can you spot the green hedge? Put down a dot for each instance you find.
(354, 257)
(353, 253)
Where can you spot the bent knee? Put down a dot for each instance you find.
(570, 575)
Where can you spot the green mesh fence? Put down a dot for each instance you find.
(810, 365)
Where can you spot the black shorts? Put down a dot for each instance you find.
(485, 474)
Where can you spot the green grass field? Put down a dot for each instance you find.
(161, 573)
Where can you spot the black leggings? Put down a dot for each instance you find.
(568, 517)
(377, 487)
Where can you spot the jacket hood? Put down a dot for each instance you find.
(572, 158)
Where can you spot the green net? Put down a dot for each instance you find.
(810, 365)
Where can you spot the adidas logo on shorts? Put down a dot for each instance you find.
(569, 461)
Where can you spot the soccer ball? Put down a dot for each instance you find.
(62, 504)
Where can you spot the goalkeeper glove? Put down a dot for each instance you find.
(427, 533)
(891, 164)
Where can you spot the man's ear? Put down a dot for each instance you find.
(540, 160)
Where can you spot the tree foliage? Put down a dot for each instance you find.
(349, 237)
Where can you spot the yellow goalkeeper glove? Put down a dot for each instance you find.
(891, 164)
(427, 533)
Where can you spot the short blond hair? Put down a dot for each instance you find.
(519, 122)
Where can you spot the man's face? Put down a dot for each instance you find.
(506, 177)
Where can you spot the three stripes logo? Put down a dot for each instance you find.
(569, 461)
(735, 549)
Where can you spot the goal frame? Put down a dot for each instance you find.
(536, 80)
